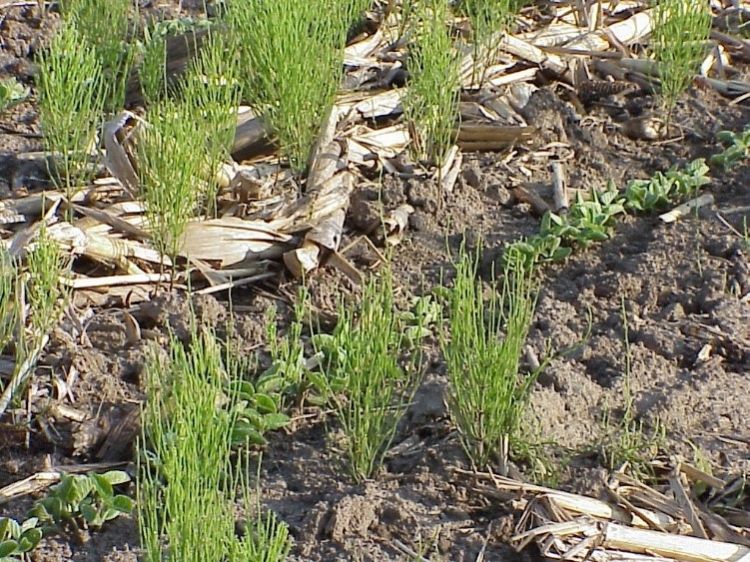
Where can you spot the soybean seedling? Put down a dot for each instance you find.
(431, 101)
(663, 189)
(488, 395)
(18, 539)
(12, 92)
(588, 220)
(84, 499)
(678, 42)
(737, 150)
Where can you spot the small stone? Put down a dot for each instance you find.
(674, 312)
(643, 128)
(502, 195)
(422, 196)
(521, 210)
(444, 543)
(351, 516)
(472, 174)
(417, 221)
(365, 215)
(428, 404)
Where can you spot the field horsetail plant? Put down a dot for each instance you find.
(431, 101)
(105, 26)
(294, 50)
(370, 387)
(171, 158)
(488, 396)
(211, 88)
(678, 43)
(488, 19)
(71, 101)
(184, 142)
(188, 478)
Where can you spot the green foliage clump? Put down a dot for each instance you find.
(9, 313)
(212, 89)
(658, 191)
(171, 157)
(38, 286)
(431, 101)
(12, 92)
(105, 27)
(588, 220)
(678, 43)
(45, 292)
(364, 378)
(71, 101)
(592, 219)
(18, 539)
(152, 70)
(488, 19)
(488, 395)
(258, 410)
(87, 499)
(187, 137)
(738, 148)
(187, 478)
(294, 52)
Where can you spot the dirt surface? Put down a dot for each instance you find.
(679, 286)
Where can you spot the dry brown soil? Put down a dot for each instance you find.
(680, 286)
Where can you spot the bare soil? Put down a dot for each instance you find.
(680, 286)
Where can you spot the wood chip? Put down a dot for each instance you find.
(687, 208)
